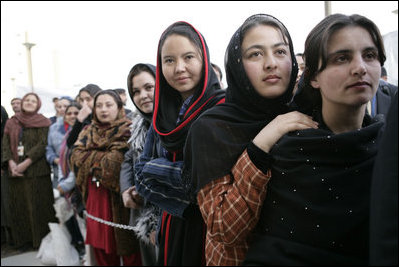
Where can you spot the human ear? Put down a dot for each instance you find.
(314, 83)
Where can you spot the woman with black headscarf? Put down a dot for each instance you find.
(186, 86)
(143, 216)
(316, 211)
(261, 71)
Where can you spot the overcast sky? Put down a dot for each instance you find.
(80, 42)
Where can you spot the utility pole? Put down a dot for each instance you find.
(327, 8)
(28, 48)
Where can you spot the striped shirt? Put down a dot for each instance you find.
(231, 207)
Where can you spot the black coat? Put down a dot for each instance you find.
(384, 96)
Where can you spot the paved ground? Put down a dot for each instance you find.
(14, 257)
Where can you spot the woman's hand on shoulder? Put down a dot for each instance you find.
(281, 125)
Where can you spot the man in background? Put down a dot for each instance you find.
(122, 93)
(16, 104)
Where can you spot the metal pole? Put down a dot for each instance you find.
(327, 8)
(28, 53)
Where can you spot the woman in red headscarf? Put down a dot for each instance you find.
(29, 187)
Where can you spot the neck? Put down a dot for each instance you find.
(342, 118)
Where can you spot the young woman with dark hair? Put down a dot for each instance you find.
(223, 169)
(143, 215)
(96, 161)
(316, 211)
(186, 86)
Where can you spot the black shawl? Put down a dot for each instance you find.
(220, 135)
(317, 207)
(167, 104)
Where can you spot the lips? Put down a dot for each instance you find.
(181, 79)
(271, 78)
(359, 84)
(146, 102)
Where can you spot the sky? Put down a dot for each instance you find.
(81, 42)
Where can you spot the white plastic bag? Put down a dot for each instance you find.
(65, 253)
(46, 251)
(56, 248)
(63, 210)
(82, 226)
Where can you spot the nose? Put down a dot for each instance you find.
(102, 108)
(270, 62)
(143, 94)
(180, 66)
(359, 66)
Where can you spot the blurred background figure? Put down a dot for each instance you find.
(384, 96)
(4, 204)
(60, 105)
(86, 101)
(55, 135)
(301, 68)
(16, 104)
(54, 118)
(219, 74)
(30, 194)
(66, 181)
(384, 74)
(122, 93)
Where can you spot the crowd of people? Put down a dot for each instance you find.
(293, 163)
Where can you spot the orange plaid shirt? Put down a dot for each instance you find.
(231, 207)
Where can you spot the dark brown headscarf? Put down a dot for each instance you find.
(24, 119)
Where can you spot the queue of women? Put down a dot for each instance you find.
(250, 175)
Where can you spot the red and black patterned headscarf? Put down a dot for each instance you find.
(168, 100)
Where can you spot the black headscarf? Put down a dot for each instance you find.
(221, 134)
(167, 104)
(151, 68)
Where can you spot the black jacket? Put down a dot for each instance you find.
(384, 96)
(77, 128)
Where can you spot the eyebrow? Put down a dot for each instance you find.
(261, 46)
(347, 51)
(185, 54)
(144, 85)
